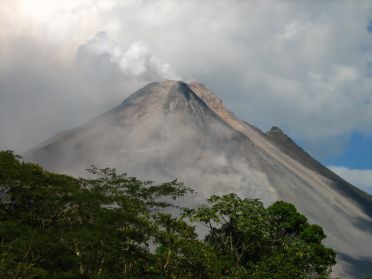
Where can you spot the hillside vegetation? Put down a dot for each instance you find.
(115, 226)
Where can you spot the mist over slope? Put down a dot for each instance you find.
(173, 130)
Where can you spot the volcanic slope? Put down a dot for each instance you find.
(172, 129)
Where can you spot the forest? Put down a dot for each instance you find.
(116, 226)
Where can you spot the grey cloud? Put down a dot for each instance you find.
(294, 64)
(41, 95)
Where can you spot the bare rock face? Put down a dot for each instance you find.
(172, 129)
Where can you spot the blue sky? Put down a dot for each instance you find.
(354, 162)
(351, 158)
(357, 153)
(369, 26)
(304, 66)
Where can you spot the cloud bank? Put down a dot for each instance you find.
(294, 64)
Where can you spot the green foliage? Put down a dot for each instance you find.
(252, 241)
(114, 226)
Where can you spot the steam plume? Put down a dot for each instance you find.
(103, 58)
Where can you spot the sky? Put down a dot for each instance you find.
(304, 66)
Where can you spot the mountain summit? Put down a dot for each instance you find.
(173, 129)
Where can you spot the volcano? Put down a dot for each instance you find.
(173, 129)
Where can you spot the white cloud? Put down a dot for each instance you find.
(289, 63)
(102, 57)
(361, 178)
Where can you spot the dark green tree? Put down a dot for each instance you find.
(252, 241)
(114, 226)
(56, 226)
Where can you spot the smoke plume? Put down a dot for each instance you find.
(103, 58)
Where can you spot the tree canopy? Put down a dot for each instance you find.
(115, 226)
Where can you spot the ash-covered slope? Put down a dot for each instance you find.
(176, 130)
(161, 132)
